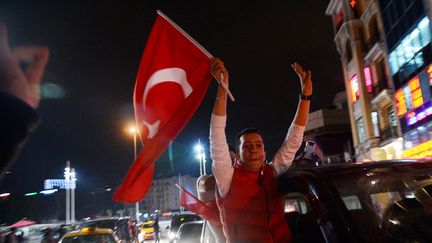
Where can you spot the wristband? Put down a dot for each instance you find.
(305, 97)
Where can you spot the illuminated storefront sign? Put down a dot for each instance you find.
(412, 99)
(355, 86)
(416, 93)
(400, 102)
(414, 117)
(368, 79)
(355, 92)
(420, 151)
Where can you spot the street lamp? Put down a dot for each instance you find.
(199, 149)
(132, 130)
(70, 185)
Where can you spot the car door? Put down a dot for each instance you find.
(308, 213)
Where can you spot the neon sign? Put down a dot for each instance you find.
(416, 116)
(353, 3)
(416, 93)
(400, 102)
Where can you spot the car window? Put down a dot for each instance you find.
(110, 224)
(295, 202)
(147, 226)
(302, 220)
(387, 204)
(190, 232)
(100, 238)
(178, 220)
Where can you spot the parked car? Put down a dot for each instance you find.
(386, 201)
(118, 225)
(178, 220)
(189, 232)
(90, 235)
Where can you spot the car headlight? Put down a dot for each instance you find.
(171, 235)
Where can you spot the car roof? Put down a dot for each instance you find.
(89, 231)
(352, 167)
(192, 222)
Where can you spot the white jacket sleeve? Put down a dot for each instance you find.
(285, 155)
(222, 167)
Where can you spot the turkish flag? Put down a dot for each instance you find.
(172, 80)
(206, 209)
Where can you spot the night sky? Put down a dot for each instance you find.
(95, 50)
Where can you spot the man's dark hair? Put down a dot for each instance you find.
(231, 148)
(243, 132)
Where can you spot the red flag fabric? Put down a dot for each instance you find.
(172, 80)
(206, 209)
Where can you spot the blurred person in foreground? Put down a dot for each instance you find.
(206, 186)
(251, 208)
(19, 96)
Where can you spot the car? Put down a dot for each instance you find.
(146, 231)
(118, 224)
(387, 201)
(178, 220)
(90, 235)
(189, 232)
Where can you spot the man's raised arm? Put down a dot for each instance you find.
(293, 140)
(219, 152)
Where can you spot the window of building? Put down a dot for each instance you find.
(429, 130)
(411, 139)
(392, 117)
(381, 81)
(361, 130)
(407, 52)
(398, 17)
(355, 92)
(339, 18)
(373, 30)
(375, 123)
(357, 7)
(423, 134)
(368, 79)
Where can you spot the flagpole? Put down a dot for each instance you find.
(190, 38)
(198, 45)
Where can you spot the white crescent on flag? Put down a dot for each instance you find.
(175, 75)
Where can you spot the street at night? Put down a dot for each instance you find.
(117, 118)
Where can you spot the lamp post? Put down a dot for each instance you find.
(67, 180)
(134, 131)
(70, 184)
(201, 157)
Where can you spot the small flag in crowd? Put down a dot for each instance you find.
(206, 209)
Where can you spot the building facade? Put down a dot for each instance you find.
(407, 30)
(330, 130)
(164, 194)
(360, 41)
